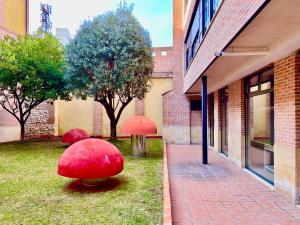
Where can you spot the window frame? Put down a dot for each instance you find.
(199, 14)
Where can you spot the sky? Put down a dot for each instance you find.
(154, 15)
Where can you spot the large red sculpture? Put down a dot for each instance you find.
(74, 135)
(91, 159)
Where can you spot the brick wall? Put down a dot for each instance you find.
(41, 122)
(176, 111)
(287, 126)
(236, 118)
(196, 127)
(196, 118)
(217, 125)
(162, 63)
(98, 119)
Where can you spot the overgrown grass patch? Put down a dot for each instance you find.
(31, 192)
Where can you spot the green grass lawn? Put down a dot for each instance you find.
(31, 192)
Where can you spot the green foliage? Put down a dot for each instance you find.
(31, 71)
(110, 59)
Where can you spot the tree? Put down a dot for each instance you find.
(31, 72)
(110, 60)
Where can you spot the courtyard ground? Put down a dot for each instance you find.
(220, 193)
(31, 192)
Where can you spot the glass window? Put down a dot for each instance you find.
(254, 88)
(266, 86)
(211, 120)
(206, 13)
(224, 120)
(199, 24)
(216, 4)
(260, 126)
(195, 45)
(196, 105)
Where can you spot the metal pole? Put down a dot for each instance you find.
(204, 120)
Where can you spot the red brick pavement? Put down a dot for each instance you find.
(221, 193)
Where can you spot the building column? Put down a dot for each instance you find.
(287, 127)
(98, 119)
(204, 120)
(236, 122)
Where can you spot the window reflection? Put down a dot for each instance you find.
(260, 126)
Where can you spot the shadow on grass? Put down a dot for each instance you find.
(105, 186)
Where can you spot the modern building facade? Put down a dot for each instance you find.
(13, 22)
(248, 51)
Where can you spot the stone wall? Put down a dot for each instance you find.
(41, 122)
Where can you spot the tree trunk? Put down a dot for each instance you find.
(22, 136)
(113, 129)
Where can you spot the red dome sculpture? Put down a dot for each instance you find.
(91, 159)
(138, 125)
(74, 135)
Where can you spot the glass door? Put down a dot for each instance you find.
(260, 125)
(224, 120)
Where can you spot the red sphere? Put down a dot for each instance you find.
(91, 159)
(74, 135)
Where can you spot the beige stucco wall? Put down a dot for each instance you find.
(15, 16)
(177, 134)
(74, 114)
(153, 101)
(80, 114)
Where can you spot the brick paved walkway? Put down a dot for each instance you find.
(221, 193)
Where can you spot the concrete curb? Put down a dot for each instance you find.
(167, 211)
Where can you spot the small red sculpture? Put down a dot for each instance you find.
(74, 135)
(91, 159)
(138, 127)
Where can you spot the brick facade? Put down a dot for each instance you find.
(231, 17)
(40, 124)
(230, 20)
(287, 126)
(236, 118)
(98, 119)
(217, 122)
(176, 106)
(162, 59)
